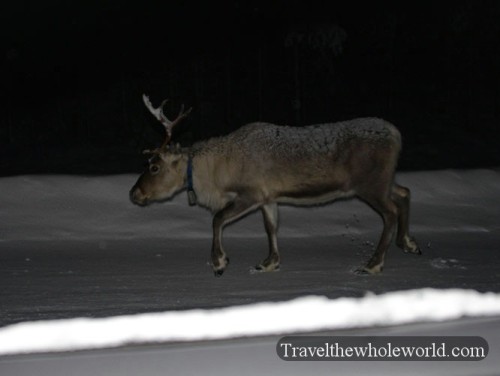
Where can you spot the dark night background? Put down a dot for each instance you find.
(73, 74)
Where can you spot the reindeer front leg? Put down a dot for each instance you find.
(231, 212)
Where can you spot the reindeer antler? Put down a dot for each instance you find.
(160, 116)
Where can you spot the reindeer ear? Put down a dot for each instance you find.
(171, 157)
(151, 151)
(173, 149)
(177, 148)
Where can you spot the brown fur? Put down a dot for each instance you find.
(261, 165)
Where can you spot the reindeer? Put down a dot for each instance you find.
(261, 165)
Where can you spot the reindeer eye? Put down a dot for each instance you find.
(154, 169)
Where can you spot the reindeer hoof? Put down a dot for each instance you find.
(369, 270)
(361, 271)
(409, 245)
(269, 268)
(218, 273)
(415, 251)
(219, 269)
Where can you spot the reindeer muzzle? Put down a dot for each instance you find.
(138, 197)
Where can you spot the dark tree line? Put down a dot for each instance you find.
(432, 70)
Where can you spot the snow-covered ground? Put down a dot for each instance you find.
(75, 247)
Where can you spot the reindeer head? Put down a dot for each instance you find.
(166, 170)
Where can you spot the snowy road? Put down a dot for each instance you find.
(49, 280)
(76, 247)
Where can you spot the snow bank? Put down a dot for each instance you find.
(310, 313)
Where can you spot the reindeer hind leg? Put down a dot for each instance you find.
(378, 197)
(272, 262)
(401, 197)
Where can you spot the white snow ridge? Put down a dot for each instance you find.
(310, 313)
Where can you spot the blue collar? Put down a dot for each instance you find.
(190, 188)
(190, 174)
